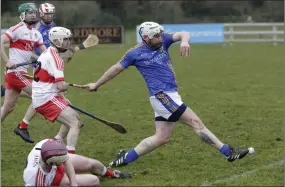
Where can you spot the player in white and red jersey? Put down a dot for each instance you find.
(35, 174)
(22, 38)
(49, 164)
(48, 85)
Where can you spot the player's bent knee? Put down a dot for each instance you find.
(75, 123)
(96, 166)
(163, 141)
(94, 163)
(80, 124)
(76, 115)
(91, 164)
(160, 140)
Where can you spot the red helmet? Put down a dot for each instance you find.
(46, 8)
(54, 152)
(47, 12)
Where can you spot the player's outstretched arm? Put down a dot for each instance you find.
(70, 172)
(184, 46)
(112, 72)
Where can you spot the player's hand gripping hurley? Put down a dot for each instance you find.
(70, 84)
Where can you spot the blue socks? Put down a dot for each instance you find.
(131, 156)
(225, 150)
(2, 91)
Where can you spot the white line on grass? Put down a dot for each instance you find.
(235, 177)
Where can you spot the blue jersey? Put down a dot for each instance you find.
(44, 30)
(154, 65)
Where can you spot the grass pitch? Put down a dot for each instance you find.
(237, 91)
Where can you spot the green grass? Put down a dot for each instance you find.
(237, 91)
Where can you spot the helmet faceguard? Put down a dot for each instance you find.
(47, 12)
(151, 30)
(26, 10)
(54, 152)
(60, 38)
(56, 160)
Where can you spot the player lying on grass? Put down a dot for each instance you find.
(49, 164)
(22, 39)
(152, 60)
(49, 83)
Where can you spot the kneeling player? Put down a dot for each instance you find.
(49, 164)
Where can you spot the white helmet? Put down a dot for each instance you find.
(150, 29)
(59, 33)
(46, 8)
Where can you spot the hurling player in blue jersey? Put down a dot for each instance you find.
(47, 14)
(152, 60)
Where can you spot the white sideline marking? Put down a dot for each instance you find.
(234, 177)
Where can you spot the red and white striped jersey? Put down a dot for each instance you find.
(23, 39)
(49, 72)
(33, 173)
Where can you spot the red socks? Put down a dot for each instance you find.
(23, 125)
(71, 151)
(109, 173)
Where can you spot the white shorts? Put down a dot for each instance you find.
(167, 106)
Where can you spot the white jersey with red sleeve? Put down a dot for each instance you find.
(49, 71)
(23, 39)
(34, 175)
